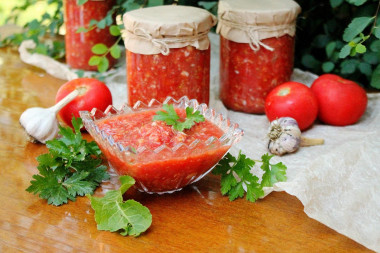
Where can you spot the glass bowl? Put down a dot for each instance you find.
(165, 168)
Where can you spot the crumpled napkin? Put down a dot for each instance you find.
(51, 66)
(338, 182)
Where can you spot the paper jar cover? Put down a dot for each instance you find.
(250, 21)
(157, 29)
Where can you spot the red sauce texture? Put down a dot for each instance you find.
(184, 72)
(78, 45)
(246, 76)
(166, 170)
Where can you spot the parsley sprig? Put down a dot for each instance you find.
(113, 214)
(171, 118)
(71, 168)
(237, 178)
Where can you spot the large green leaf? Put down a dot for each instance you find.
(152, 3)
(113, 214)
(328, 66)
(356, 26)
(376, 32)
(349, 66)
(365, 68)
(330, 47)
(375, 80)
(335, 3)
(99, 48)
(357, 2)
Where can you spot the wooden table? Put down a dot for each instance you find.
(196, 219)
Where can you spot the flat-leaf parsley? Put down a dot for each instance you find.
(71, 167)
(237, 178)
(171, 118)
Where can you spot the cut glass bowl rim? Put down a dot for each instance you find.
(232, 132)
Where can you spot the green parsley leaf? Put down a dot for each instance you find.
(77, 184)
(238, 180)
(47, 186)
(113, 214)
(236, 176)
(72, 167)
(171, 118)
(273, 173)
(223, 168)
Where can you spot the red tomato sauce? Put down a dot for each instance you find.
(246, 76)
(165, 170)
(78, 45)
(184, 72)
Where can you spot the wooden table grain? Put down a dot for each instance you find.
(196, 219)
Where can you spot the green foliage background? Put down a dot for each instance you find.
(333, 36)
(321, 47)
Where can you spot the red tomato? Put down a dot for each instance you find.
(292, 99)
(93, 94)
(341, 102)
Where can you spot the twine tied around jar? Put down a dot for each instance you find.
(162, 43)
(253, 32)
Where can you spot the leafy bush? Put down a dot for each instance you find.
(42, 31)
(341, 37)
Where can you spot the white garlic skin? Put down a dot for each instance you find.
(284, 136)
(39, 123)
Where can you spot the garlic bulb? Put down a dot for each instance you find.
(285, 137)
(41, 124)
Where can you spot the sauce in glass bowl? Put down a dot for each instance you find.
(158, 157)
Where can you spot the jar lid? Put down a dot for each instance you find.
(250, 21)
(157, 29)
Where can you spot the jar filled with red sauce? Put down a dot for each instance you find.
(168, 53)
(78, 45)
(256, 50)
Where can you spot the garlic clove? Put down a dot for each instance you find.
(40, 124)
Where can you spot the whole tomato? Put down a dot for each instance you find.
(92, 94)
(292, 99)
(341, 102)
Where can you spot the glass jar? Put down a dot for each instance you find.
(78, 45)
(183, 72)
(168, 53)
(256, 50)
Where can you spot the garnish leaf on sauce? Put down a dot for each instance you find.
(237, 179)
(171, 118)
(113, 214)
(71, 168)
